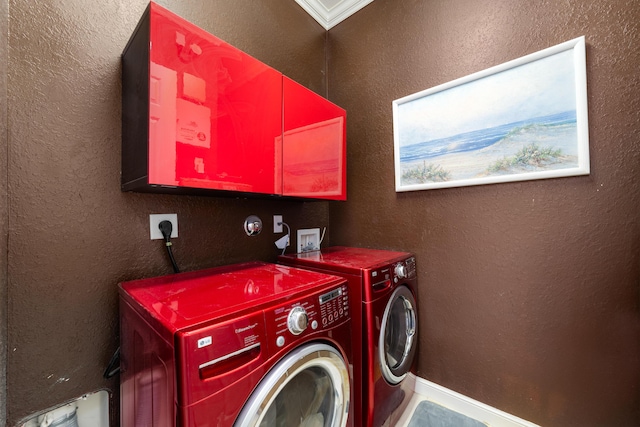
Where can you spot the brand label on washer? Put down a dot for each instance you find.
(203, 342)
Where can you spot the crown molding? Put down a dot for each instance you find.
(329, 13)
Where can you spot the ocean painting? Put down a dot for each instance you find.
(522, 120)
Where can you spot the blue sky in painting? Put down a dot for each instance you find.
(538, 88)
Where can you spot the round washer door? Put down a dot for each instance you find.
(308, 387)
(398, 335)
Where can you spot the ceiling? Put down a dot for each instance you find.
(331, 12)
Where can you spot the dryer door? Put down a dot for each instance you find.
(398, 335)
(308, 387)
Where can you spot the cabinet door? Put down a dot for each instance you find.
(215, 114)
(313, 145)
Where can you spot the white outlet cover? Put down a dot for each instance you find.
(155, 219)
(308, 240)
(277, 219)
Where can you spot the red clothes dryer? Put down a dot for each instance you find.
(383, 287)
(242, 345)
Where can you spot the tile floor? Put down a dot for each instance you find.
(435, 406)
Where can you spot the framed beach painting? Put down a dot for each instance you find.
(521, 120)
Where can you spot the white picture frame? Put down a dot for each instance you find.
(522, 120)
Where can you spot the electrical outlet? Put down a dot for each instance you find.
(277, 219)
(155, 219)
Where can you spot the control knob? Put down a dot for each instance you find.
(297, 320)
(401, 271)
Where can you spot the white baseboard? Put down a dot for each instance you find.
(427, 390)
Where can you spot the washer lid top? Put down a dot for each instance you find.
(348, 259)
(185, 299)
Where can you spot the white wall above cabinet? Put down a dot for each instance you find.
(331, 12)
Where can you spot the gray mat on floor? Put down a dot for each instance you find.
(429, 414)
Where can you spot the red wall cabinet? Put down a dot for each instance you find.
(313, 145)
(200, 115)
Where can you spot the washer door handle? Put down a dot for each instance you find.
(411, 318)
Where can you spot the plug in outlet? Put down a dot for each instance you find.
(277, 219)
(156, 219)
(282, 242)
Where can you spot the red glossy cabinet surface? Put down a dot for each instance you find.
(313, 147)
(201, 115)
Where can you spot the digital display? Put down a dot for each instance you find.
(330, 296)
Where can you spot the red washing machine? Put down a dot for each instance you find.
(242, 345)
(384, 290)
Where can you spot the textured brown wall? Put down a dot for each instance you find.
(4, 220)
(73, 235)
(528, 291)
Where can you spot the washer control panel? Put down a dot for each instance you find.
(297, 320)
(309, 314)
(334, 305)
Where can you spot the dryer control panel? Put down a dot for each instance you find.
(404, 269)
(308, 315)
(381, 279)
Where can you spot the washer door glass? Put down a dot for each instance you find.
(309, 387)
(398, 335)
